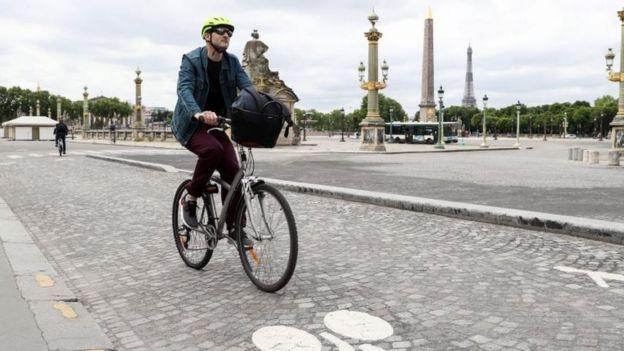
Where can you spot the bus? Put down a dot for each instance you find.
(420, 132)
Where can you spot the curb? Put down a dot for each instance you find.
(62, 320)
(612, 232)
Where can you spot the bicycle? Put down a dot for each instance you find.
(264, 214)
(59, 143)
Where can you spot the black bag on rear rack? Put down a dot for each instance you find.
(258, 118)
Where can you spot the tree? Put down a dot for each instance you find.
(385, 104)
(455, 113)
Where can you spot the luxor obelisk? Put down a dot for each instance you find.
(427, 103)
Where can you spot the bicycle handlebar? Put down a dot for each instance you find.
(224, 120)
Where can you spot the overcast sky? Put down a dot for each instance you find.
(535, 51)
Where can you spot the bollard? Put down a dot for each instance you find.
(586, 156)
(614, 158)
(575, 153)
(579, 155)
(594, 157)
(570, 154)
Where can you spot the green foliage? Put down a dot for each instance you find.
(109, 108)
(16, 101)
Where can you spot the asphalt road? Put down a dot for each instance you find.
(539, 178)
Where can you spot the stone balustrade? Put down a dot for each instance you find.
(127, 134)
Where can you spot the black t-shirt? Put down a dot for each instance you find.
(61, 129)
(215, 101)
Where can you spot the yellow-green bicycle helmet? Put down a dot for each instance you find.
(218, 21)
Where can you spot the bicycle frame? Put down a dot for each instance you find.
(246, 182)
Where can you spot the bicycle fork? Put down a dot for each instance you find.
(254, 207)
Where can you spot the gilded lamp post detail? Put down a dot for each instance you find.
(617, 125)
(373, 125)
(138, 109)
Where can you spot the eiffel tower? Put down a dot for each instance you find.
(469, 99)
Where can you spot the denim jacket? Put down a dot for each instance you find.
(193, 87)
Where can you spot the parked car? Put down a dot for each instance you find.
(570, 136)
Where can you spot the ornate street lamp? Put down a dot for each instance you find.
(86, 123)
(484, 143)
(617, 125)
(440, 143)
(601, 119)
(306, 118)
(138, 119)
(342, 125)
(391, 121)
(373, 125)
(517, 124)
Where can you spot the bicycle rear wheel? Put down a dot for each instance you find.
(270, 224)
(193, 245)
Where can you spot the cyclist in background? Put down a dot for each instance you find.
(208, 80)
(113, 135)
(61, 132)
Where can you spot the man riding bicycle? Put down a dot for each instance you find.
(60, 131)
(208, 80)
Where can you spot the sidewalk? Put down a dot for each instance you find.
(39, 312)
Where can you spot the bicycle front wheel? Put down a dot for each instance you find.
(270, 224)
(193, 245)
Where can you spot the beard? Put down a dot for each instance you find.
(219, 47)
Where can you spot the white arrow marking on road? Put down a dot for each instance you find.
(342, 346)
(283, 338)
(598, 277)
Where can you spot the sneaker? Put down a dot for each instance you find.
(247, 243)
(189, 213)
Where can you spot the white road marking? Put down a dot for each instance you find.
(35, 155)
(342, 346)
(358, 325)
(282, 338)
(15, 157)
(369, 347)
(598, 277)
(8, 163)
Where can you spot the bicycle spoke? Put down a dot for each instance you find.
(271, 262)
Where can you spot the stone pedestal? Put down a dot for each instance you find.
(138, 134)
(571, 154)
(373, 138)
(586, 156)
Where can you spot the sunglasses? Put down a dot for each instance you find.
(223, 31)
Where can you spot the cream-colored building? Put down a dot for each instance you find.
(29, 128)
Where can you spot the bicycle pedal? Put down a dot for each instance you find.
(211, 189)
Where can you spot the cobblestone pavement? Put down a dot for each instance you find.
(440, 283)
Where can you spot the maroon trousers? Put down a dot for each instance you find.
(215, 152)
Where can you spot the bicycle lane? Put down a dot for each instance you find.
(408, 280)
